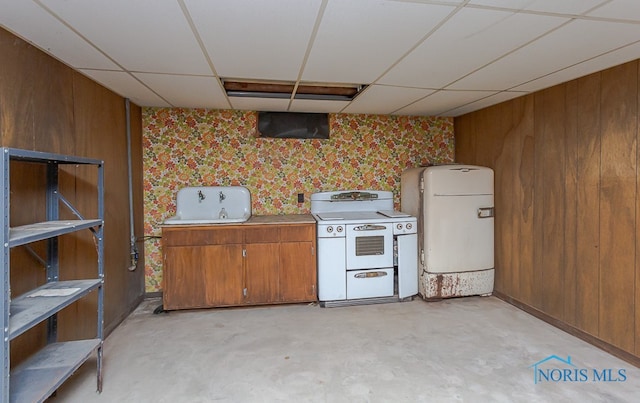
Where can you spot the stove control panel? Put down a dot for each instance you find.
(405, 227)
(331, 231)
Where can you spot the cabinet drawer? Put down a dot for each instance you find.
(297, 233)
(262, 233)
(202, 236)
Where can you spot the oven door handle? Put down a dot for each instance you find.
(370, 227)
(371, 274)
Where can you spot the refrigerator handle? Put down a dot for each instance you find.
(485, 212)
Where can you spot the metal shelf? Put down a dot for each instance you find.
(42, 374)
(40, 157)
(38, 304)
(25, 234)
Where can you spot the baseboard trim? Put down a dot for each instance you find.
(112, 326)
(601, 344)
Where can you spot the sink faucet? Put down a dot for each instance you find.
(201, 196)
(222, 196)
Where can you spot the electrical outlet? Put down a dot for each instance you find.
(300, 197)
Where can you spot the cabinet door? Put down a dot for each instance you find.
(202, 276)
(261, 278)
(224, 278)
(297, 272)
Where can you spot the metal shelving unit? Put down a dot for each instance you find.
(42, 373)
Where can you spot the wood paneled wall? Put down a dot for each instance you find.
(47, 106)
(567, 177)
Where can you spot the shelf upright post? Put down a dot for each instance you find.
(5, 301)
(53, 267)
(100, 253)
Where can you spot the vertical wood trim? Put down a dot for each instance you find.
(526, 180)
(596, 197)
(502, 174)
(538, 201)
(17, 113)
(46, 106)
(570, 202)
(617, 205)
(465, 139)
(637, 232)
(588, 204)
(552, 195)
(507, 229)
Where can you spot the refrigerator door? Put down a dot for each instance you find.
(458, 219)
(410, 191)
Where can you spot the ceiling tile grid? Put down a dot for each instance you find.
(150, 36)
(357, 46)
(127, 86)
(573, 43)
(468, 41)
(419, 57)
(255, 39)
(37, 26)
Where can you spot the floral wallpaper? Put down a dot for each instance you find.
(199, 147)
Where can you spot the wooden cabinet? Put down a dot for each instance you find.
(297, 256)
(231, 265)
(297, 282)
(202, 276)
(261, 268)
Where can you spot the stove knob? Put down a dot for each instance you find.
(399, 226)
(409, 225)
(339, 228)
(329, 229)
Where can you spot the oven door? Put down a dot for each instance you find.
(369, 246)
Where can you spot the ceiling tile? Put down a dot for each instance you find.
(29, 21)
(259, 104)
(442, 101)
(574, 43)
(382, 99)
(165, 45)
(469, 40)
(255, 39)
(622, 9)
(483, 103)
(187, 91)
(550, 6)
(353, 46)
(308, 105)
(127, 86)
(171, 50)
(622, 55)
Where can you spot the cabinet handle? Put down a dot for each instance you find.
(244, 254)
(244, 292)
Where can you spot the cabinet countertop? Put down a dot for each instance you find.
(257, 220)
(282, 219)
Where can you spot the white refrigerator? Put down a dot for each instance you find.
(455, 210)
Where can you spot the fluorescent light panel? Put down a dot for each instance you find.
(319, 91)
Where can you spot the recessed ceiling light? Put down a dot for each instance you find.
(283, 89)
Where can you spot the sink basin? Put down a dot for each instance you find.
(212, 205)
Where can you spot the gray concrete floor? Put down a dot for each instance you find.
(459, 350)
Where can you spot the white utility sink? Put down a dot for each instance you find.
(212, 205)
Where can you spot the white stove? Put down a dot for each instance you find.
(367, 252)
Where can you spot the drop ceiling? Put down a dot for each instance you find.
(415, 57)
